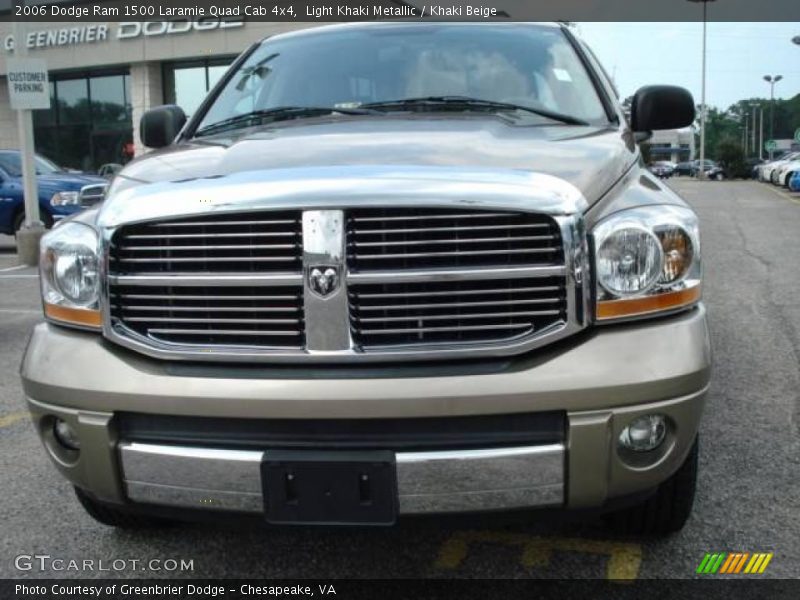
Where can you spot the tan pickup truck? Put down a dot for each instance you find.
(385, 269)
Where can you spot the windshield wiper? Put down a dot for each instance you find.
(279, 113)
(466, 103)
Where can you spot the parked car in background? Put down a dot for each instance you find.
(662, 168)
(108, 170)
(683, 168)
(59, 191)
(768, 169)
(794, 182)
(753, 165)
(711, 169)
(783, 174)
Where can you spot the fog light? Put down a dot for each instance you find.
(66, 435)
(644, 433)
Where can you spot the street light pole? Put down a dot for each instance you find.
(772, 80)
(701, 171)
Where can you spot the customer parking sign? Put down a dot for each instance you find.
(28, 86)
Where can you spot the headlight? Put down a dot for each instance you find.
(65, 198)
(647, 260)
(70, 275)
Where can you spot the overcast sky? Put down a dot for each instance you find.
(739, 55)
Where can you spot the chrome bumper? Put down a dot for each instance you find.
(427, 482)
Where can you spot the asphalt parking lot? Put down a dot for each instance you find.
(749, 491)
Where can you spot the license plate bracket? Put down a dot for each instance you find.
(331, 488)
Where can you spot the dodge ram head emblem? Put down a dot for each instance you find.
(323, 280)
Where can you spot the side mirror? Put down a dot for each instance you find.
(661, 107)
(160, 125)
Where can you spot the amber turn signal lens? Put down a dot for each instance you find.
(614, 309)
(75, 316)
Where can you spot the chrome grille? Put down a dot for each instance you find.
(232, 243)
(240, 316)
(412, 282)
(454, 312)
(461, 307)
(402, 238)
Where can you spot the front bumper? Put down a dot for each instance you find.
(599, 381)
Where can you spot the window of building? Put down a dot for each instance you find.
(186, 83)
(89, 122)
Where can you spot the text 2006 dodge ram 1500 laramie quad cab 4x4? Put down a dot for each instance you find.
(385, 269)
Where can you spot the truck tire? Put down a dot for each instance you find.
(19, 219)
(117, 517)
(667, 510)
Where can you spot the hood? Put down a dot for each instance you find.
(589, 158)
(66, 182)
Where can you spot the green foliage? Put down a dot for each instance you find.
(725, 127)
(730, 156)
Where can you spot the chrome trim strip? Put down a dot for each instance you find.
(466, 480)
(243, 280)
(440, 481)
(326, 311)
(454, 274)
(320, 188)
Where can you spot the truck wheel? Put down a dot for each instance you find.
(116, 517)
(668, 509)
(19, 219)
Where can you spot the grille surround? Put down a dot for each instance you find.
(570, 267)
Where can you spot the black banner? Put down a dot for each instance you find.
(181, 589)
(366, 10)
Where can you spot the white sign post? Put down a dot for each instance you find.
(28, 89)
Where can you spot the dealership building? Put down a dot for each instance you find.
(104, 76)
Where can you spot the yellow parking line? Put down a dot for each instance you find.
(623, 565)
(782, 194)
(10, 419)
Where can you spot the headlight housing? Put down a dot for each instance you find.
(65, 199)
(69, 267)
(647, 260)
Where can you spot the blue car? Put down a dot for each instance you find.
(59, 191)
(794, 182)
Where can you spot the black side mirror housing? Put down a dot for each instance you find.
(160, 125)
(661, 107)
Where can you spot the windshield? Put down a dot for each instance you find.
(11, 162)
(527, 65)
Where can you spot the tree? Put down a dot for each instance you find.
(730, 156)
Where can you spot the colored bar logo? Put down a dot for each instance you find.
(734, 563)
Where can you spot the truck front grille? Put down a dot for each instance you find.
(234, 243)
(269, 317)
(453, 312)
(410, 282)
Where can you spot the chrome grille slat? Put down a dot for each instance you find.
(214, 247)
(552, 288)
(224, 223)
(219, 320)
(460, 304)
(203, 259)
(451, 229)
(227, 332)
(189, 236)
(209, 308)
(204, 298)
(455, 241)
(454, 329)
(432, 216)
(458, 316)
(454, 253)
